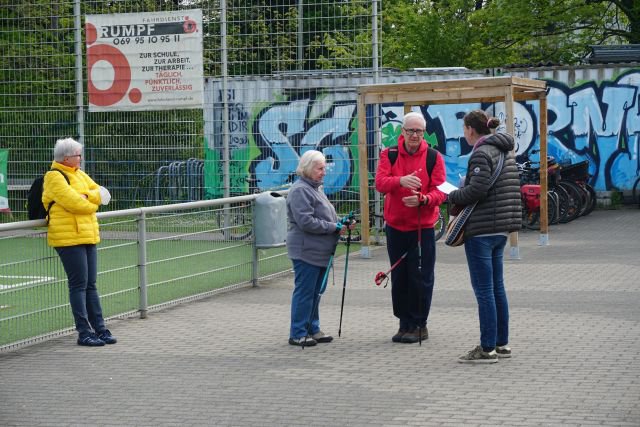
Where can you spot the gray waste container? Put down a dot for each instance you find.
(270, 220)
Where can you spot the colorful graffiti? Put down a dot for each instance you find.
(598, 122)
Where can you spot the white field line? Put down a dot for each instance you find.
(37, 279)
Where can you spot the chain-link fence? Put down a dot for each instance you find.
(244, 139)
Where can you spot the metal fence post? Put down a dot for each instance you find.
(142, 263)
(254, 269)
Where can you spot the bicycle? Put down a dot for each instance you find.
(558, 202)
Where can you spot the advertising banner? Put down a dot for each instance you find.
(4, 191)
(144, 61)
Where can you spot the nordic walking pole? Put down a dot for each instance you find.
(325, 279)
(316, 298)
(346, 269)
(419, 274)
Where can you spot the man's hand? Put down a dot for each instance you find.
(411, 181)
(417, 199)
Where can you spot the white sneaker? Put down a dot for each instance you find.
(503, 351)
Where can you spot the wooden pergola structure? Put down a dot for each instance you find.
(507, 89)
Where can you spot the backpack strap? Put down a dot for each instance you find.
(66, 178)
(63, 174)
(432, 156)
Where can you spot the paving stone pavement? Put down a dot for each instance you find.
(225, 361)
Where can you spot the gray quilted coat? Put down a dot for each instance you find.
(498, 209)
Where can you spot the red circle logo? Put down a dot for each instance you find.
(121, 78)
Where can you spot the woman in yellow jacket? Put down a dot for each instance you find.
(73, 233)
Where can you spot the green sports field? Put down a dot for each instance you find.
(33, 288)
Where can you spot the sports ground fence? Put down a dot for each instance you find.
(163, 240)
(148, 258)
(174, 155)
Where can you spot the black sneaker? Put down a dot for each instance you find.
(91, 341)
(503, 351)
(303, 341)
(321, 337)
(107, 337)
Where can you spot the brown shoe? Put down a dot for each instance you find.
(398, 336)
(413, 336)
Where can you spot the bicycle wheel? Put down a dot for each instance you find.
(553, 207)
(355, 235)
(234, 223)
(531, 219)
(440, 227)
(575, 201)
(563, 204)
(593, 199)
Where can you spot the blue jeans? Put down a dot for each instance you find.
(81, 265)
(305, 301)
(485, 257)
(411, 293)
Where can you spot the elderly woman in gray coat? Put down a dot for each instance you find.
(497, 213)
(314, 230)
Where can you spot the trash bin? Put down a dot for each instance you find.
(270, 223)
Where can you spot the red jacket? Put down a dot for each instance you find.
(396, 214)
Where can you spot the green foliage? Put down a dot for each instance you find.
(495, 33)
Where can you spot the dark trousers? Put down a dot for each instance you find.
(411, 291)
(81, 265)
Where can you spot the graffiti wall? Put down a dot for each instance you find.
(270, 126)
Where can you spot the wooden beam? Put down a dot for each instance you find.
(361, 111)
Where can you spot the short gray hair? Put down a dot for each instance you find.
(414, 115)
(307, 160)
(65, 147)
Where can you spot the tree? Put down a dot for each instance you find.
(495, 33)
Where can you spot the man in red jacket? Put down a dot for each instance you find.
(411, 204)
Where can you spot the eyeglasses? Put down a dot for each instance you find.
(75, 155)
(411, 132)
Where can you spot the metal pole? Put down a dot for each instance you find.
(376, 109)
(79, 82)
(142, 263)
(300, 33)
(225, 98)
(254, 264)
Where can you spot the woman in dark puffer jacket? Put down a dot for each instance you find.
(497, 213)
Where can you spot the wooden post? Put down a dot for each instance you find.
(363, 176)
(543, 239)
(514, 249)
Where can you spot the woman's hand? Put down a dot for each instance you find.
(349, 226)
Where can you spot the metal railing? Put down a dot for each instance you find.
(149, 258)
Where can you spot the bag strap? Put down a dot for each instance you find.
(498, 170)
(66, 178)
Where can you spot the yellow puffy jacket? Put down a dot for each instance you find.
(72, 218)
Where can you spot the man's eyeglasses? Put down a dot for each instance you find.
(76, 155)
(414, 131)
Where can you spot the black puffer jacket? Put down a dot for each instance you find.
(498, 209)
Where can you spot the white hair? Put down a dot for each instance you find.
(414, 115)
(307, 160)
(65, 147)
